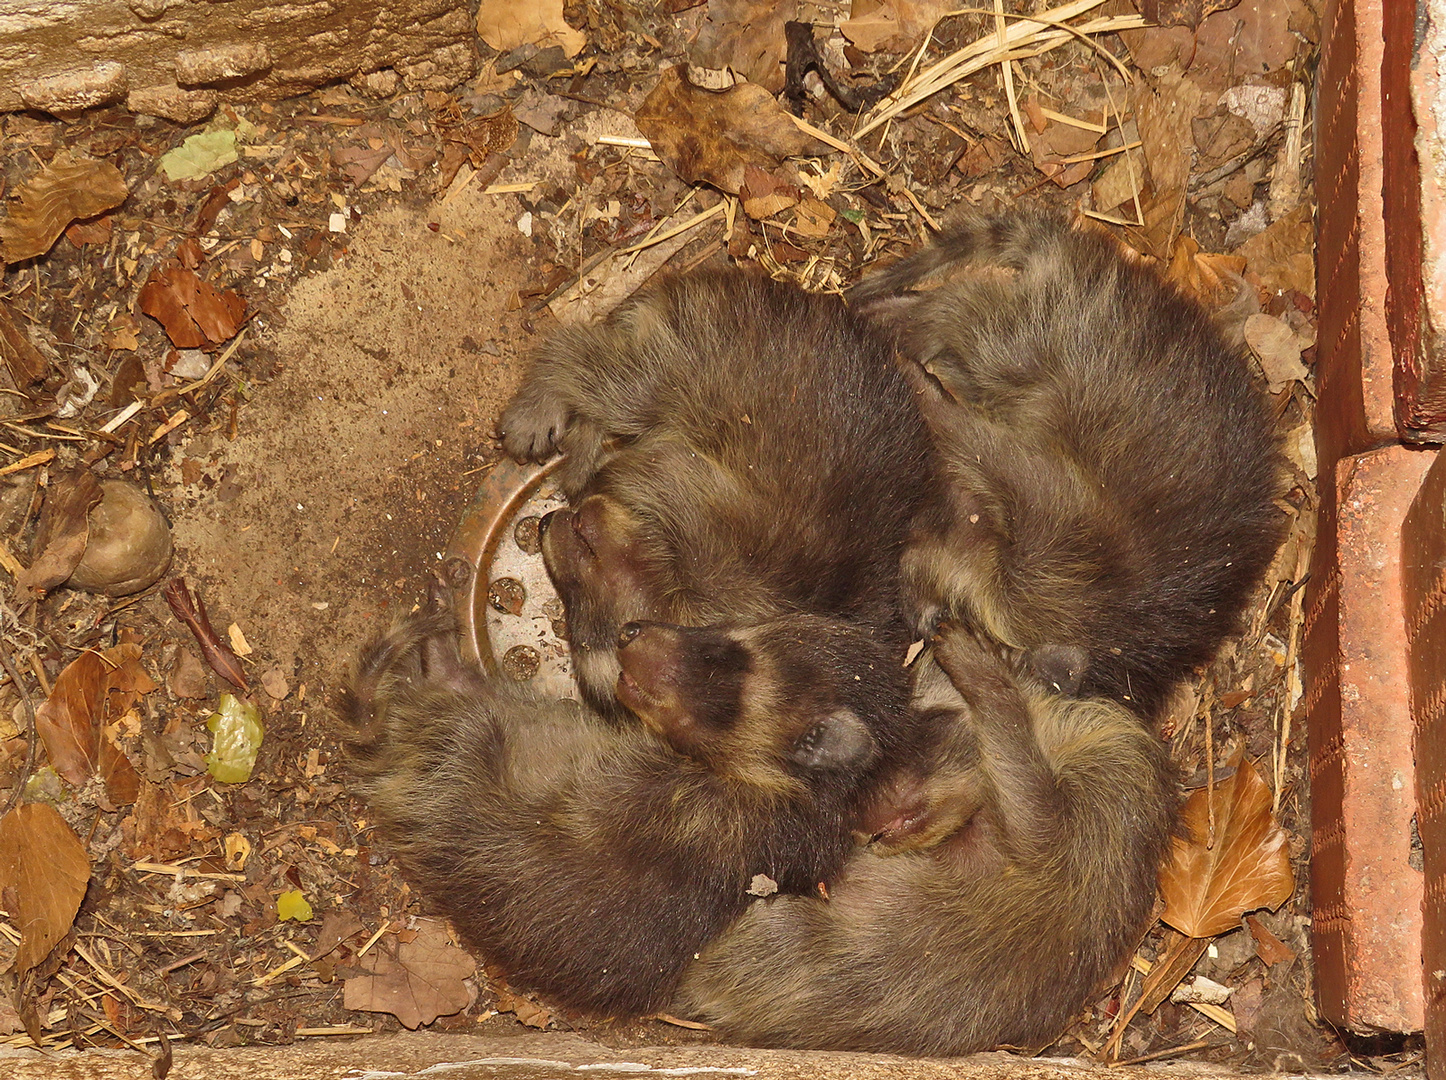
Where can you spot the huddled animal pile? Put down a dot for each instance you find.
(1018, 445)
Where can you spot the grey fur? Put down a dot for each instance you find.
(1061, 812)
(591, 862)
(736, 449)
(1110, 471)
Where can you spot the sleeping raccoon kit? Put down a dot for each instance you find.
(734, 449)
(1109, 470)
(1019, 874)
(744, 460)
(592, 861)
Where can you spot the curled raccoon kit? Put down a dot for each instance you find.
(770, 494)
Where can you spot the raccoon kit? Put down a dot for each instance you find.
(590, 861)
(1015, 871)
(1108, 468)
(736, 449)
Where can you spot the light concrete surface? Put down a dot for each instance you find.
(538, 1055)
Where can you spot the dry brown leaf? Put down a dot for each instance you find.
(1268, 947)
(1207, 889)
(1164, 114)
(45, 865)
(506, 24)
(1282, 256)
(1278, 349)
(746, 36)
(425, 978)
(68, 189)
(159, 826)
(93, 691)
(193, 313)
(22, 359)
(892, 25)
(1250, 40)
(712, 136)
(64, 528)
(526, 1010)
(1182, 12)
(1210, 278)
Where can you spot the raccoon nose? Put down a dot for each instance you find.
(628, 632)
(545, 523)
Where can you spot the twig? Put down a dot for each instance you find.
(192, 612)
(1172, 1051)
(169, 1011)
(986, 52)
(32, 736)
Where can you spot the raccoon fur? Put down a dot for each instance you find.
(735, 449)
(1108, 469)
(589, 861)
(1016, 871)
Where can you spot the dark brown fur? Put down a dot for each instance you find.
(1109, 469)
(1045, 821)
(592, 862)
(765, 459)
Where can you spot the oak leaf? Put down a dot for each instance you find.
(1207, 887)
(424, 978)
(715, 136)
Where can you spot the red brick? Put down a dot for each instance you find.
(1423, 544)
(1354, 370)
(1416, 257)
(1365, 895)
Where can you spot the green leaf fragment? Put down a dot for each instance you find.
(292, 905)
(200, 154)
(238, 731)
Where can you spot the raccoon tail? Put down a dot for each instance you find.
(1004, 239)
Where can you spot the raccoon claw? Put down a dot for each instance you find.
(532, 430)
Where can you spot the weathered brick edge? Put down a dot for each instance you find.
(1423, 542)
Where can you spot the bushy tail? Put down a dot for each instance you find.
(1011, 240)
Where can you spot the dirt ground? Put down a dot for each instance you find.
(396, 259)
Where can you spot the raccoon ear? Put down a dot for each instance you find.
(838, 741)
(1061, 668)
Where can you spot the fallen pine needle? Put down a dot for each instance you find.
(1171, 1051)
(691, 1025)
(170, 1012)
(838, 144)
(692, 223)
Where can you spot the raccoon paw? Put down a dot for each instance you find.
(532, 426)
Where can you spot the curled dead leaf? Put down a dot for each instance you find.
(506, 24)
(1208, 888)
(715, 136)
(68, 189)
(64, 527)
(94, 691)
(193, 313)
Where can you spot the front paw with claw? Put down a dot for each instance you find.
(533, 426)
